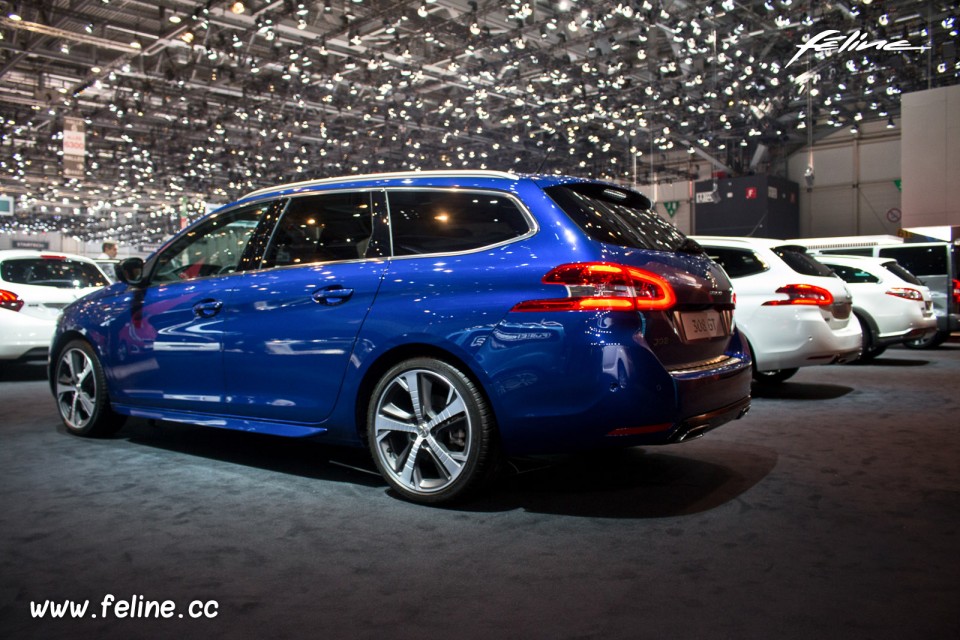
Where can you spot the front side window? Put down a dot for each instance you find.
(853, 275)
(322, 228)
(738, 263)
(615, 216)
(52, 272)
(451, 221)
(800, 261)
(213, 247)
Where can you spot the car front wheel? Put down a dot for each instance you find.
(431, 432)
(81, 393)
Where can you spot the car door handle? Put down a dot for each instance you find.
(332, 295)
(207, 308)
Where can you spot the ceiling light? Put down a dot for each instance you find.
(238, 8)
(175, 19)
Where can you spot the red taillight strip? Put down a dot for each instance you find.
(604, 286)
(803, 294)
(956, 291)
(10, 300)
(905, 292)
(635, 431)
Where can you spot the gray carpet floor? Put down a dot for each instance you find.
(831, 511)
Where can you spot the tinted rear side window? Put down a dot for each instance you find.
(43, 272)
(450, 221)
(852, 274)
(798, 260)
(920, 261)
(738, 263)
(322, 228)
(616, 216)
(901, 273)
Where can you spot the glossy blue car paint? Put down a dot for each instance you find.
(295, 350)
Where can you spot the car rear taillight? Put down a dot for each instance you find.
(803, 294)
(905, 292)
(604, 286)
(53, 256)
(956, 291)
(10, 300)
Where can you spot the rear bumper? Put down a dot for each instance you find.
(644, 405)
(805, 341)
(24, 336)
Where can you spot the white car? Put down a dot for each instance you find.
(793, 310)
(891, 304)
(34, 287)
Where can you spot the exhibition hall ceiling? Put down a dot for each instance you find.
(183, 102)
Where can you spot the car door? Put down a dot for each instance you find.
(292, 324)
(167, 342)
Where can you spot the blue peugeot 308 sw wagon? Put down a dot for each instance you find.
(444, 319)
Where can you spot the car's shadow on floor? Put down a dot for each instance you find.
(634, 483)
(880, 361)
(23, 372)
(629, 483)
(801, 391)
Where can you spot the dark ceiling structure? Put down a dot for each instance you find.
(185, 102)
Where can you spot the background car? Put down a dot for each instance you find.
(890, 303)
(443, 319)
(35, 286)
(793, 310)
(935, 264)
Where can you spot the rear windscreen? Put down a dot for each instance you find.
(798, 260)
(49, 272)
(901, 273)
(616, 216)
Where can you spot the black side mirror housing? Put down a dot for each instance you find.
(130, 271)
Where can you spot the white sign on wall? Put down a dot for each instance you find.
(74, 147)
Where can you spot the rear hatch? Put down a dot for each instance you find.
(837, 313)
(48, 283)
(695, 329)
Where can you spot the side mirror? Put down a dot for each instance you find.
(130, 271)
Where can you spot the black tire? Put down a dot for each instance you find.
(431, 432)
(930, 342)
(776, 376)
(869, 349)
(81, 392)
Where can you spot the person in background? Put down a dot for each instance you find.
(109, 251)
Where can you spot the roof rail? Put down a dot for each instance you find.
(439, 173)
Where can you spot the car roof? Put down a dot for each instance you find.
(8, 254)
(452, 177)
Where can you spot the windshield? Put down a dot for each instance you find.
(617, 216)
(52, 272)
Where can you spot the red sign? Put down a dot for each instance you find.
(751, 193)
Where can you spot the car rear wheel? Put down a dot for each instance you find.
(431, 432)
(928, 342)
(776, 376)
(870, 349)
(81, 393)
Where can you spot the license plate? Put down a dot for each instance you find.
(700, 325)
